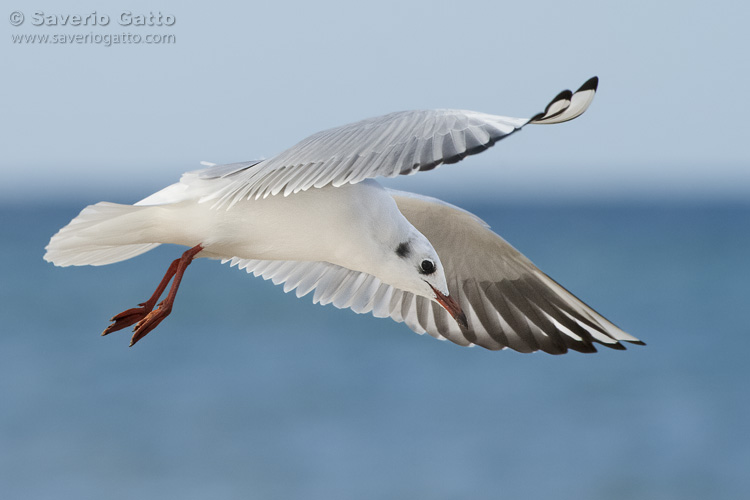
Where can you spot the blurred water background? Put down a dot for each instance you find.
(247, 392)
(640, 207)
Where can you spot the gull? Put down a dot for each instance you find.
(314, 219)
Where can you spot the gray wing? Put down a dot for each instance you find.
(507, 300)
(399, 143)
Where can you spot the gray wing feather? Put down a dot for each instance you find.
(217, 171)
(507, 300)
(400, 143)
(513, 305)
(395, 144)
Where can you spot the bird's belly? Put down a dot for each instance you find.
(320, 224)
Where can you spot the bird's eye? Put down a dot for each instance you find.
(427, 267)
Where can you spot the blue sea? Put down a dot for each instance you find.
(245, 392)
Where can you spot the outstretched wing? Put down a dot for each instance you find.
(399, 143)
(508, 302)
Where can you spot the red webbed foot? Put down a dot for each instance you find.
(146, 317)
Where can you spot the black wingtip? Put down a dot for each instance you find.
(587, 91)
(564, 95)
(636, 342)
(590, 84)
(617, 346)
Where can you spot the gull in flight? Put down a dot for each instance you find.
(314, 219)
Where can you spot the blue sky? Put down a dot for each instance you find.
(244, 81)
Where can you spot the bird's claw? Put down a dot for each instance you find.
(127, 318)
(149, 322)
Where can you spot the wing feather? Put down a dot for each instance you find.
(507, 300)
(520, 311)
(400, 143)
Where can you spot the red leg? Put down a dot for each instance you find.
(134, 315)
(144, 315)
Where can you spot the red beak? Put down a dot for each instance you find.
(452, 306)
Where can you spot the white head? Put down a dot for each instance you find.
(387, 246)
(413, 265)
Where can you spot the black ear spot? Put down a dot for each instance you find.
(403, 250)
(427, 267)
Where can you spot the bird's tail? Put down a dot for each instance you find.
(103, 234)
